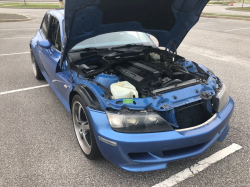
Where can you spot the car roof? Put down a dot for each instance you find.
(59, 13)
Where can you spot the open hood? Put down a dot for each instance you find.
(168, 20)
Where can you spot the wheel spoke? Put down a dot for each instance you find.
(77, 120)
(79, 113)
(85, 127)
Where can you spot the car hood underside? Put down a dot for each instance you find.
(168, 20)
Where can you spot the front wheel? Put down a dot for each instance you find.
(37, 72)
(83, 129)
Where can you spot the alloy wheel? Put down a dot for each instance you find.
(82, 128)
(34, 65)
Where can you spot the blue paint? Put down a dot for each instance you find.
(204, 137)
(106, 80)
(81, 29)
(45, 44)
(63, 80)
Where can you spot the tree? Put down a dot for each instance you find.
(24, 2)
(61, 3)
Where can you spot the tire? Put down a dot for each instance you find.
(37, 72)
(83, 129)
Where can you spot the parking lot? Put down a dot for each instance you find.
(37, 141)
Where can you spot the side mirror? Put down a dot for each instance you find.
(45, 44)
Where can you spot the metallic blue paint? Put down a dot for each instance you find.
(187, 14)
(45, 44)
(106, 80)
(146, 149)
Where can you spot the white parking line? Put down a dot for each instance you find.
(14, 54)
(237, 29)
(23, 89)
(196, 168)
(14, 38)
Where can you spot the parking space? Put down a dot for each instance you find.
(16, 33)
(38, 145)
(212, 40)
(16, 72)
(237, 27)
(19, 45)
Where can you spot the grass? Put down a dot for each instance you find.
(12, 18)
(227, 2)
(219, 2)
(246, 9)
(30, 5)
(226, 16)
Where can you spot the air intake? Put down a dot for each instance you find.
(191, 115)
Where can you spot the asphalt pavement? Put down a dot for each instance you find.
(223, 9)
(37, 141)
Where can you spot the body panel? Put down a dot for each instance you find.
(195, 141)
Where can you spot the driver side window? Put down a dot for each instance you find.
(45, 25)
(54, 35)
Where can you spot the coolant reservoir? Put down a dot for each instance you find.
(123, 90)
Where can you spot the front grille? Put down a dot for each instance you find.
(191, 115)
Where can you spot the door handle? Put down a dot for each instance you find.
(65, 86)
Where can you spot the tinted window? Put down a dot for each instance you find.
(45, 24)
(58, 42)
(54, 35)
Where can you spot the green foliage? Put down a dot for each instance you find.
(30, 5)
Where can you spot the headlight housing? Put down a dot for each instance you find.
(221, 99)
(139, 122)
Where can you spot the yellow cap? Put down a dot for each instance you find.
(120, 84)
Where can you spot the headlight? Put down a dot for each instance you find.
(221, 99)
(140, 122)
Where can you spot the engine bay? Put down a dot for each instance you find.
(149, 73)
(148, 77)
(151, 80)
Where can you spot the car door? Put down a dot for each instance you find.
(63, 77)
(51, 56)
(41, 35)
(64, 81)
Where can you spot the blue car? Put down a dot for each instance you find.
(139, 106)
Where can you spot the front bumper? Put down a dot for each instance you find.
(152, 151)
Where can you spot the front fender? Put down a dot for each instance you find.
(88, 96)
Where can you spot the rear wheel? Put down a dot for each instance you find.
(36, 69)
(83, 129)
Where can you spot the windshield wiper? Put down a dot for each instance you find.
(93, 49)
(132, 45)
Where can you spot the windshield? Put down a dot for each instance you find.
(115, 39)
